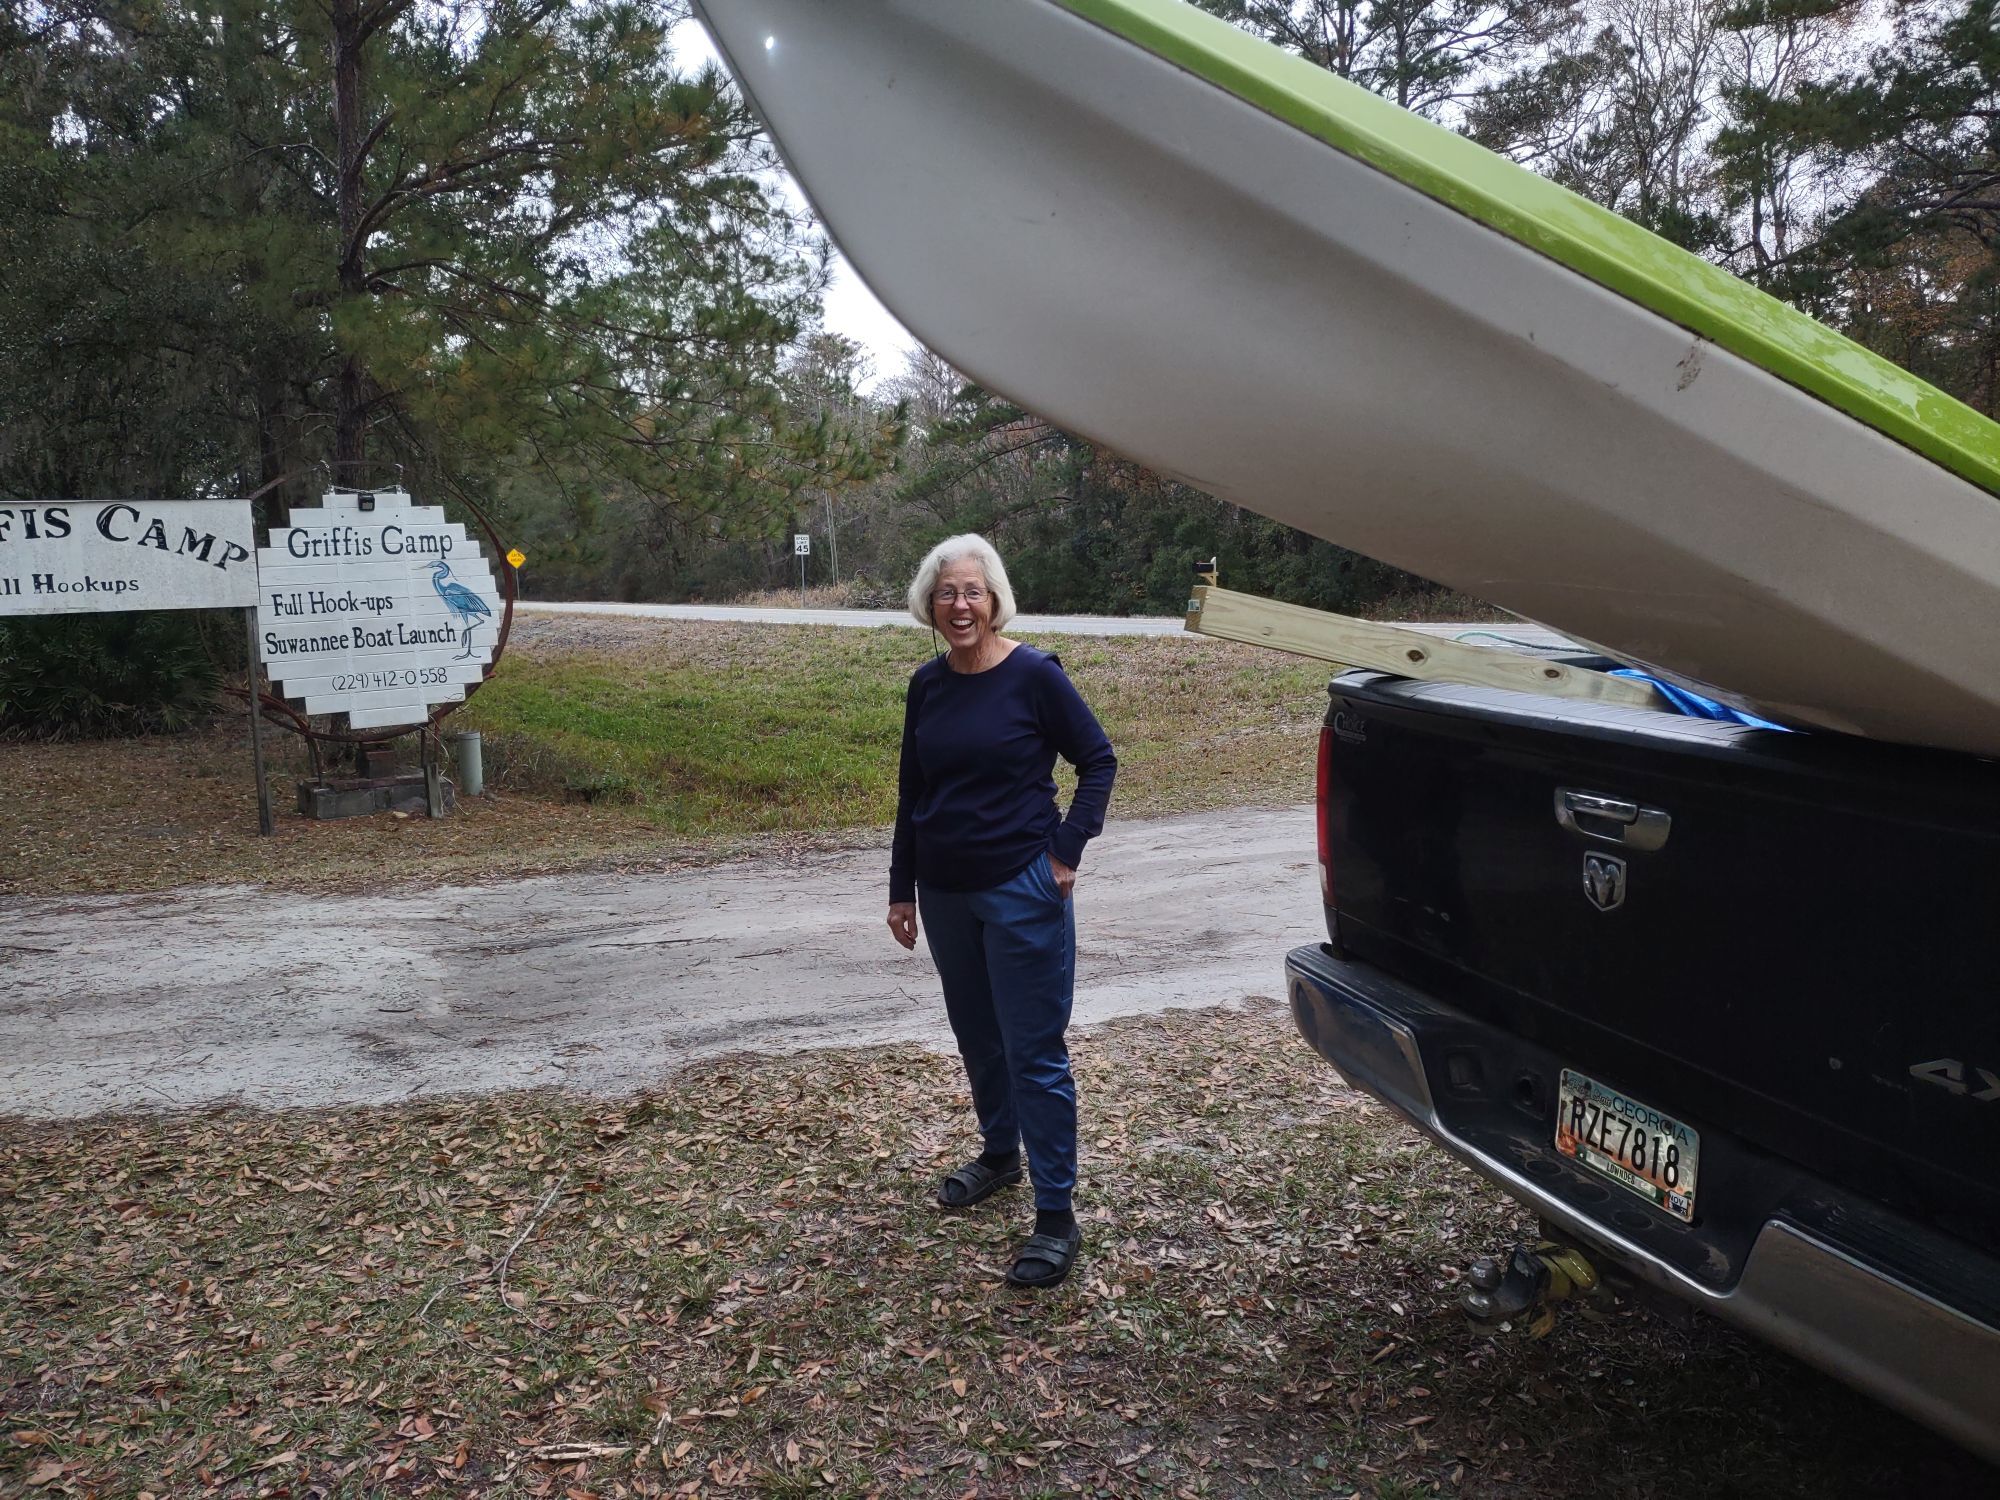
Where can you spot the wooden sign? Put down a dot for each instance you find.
(375, 607)
(80, 556)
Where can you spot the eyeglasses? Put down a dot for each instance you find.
(952, 596)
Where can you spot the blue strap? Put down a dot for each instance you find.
(1697, 707)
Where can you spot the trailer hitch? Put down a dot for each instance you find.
(1523, 1290)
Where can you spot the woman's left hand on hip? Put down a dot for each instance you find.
(1065, 876)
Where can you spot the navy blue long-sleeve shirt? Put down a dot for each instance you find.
(976, 797)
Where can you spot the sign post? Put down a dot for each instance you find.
(802, 545)
(264, 823)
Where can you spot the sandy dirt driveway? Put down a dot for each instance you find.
(597, 982)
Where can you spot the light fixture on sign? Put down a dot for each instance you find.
(770, 42)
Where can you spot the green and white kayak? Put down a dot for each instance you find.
(1237, 269)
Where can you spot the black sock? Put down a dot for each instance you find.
(1000, 1161)
(1059, 1222)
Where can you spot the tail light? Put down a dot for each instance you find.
(1322, 812)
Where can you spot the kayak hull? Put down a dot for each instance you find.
(1141, 257)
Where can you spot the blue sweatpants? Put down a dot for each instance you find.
(1007, 957)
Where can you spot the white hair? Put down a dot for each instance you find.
(957, 549)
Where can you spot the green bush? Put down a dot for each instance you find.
(74, 677)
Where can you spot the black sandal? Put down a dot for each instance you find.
(1057, 1253)
(976, 1182)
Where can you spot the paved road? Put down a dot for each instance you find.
(860, 618)
(598, 982)
(1516, 631)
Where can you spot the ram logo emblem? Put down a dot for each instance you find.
(1604, 881)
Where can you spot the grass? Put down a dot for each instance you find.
(726, 728)
(631, 742)
(847, 594)
(736, 1283)
(719, 728)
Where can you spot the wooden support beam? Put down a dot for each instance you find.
(1231, 616)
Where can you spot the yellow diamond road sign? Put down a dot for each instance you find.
(515, 557)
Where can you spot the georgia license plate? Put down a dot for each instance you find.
(1633, 1144)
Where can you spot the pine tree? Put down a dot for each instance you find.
(1905, 255)
(1427, 55)
(473, 239)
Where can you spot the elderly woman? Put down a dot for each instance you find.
(982, 851)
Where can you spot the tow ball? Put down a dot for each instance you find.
(1524, 1288)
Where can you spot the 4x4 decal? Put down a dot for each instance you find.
(1949, 1073)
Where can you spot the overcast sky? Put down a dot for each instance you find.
(851, 309)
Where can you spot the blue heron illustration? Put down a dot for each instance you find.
(466, 607)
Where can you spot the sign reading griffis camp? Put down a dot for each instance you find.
(72, 557)
(374, 607)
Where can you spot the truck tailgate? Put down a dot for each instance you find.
(1789, 934)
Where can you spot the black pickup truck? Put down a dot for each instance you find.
(1719, 1004)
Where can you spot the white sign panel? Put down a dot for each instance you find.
(71, 557)
(802, 544)
(380, 614)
